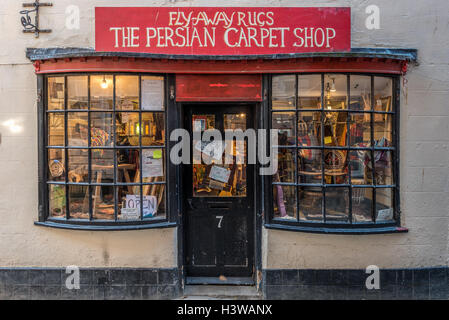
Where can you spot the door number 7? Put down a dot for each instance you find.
(220, 218)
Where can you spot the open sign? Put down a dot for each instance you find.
(149, 204)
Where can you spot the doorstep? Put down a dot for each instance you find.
(218, 292)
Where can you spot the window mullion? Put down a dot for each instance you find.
(348, 141)
(373, 174)
(66, 151)
(140, 151)
(323, 191)
(296, 149)
(89, 151)
(114, 134)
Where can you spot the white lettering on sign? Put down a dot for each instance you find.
(161, 37)
(180, 37)
(311, 37)
(128, 35)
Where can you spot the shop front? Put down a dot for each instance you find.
(133, 144)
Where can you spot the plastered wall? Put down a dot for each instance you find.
(424, 166)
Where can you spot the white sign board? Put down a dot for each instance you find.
(385, 214)
(152, 163)
(152, 94)
(220, 174)
(213, 149)
(149, 205)
(130, 214)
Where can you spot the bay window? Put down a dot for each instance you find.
(105, 148)
(337, 150)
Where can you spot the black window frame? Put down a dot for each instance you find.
(171, 204)
(372, 227)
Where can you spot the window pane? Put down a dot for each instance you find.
(360, 93)
(101, 129)
(284, 122)
(383, 91)
(284, 202)
(128, 202)
(154, 201)
(153, 129)
(55, 129)
(57, 202)
(233, 121)
(362, 204)
(361, 173)
(383, 167)
(337, 204)
(55, 93)
(153, 93)
(309, 166)
(310, 204)
(128, 162)
(236, 156)
(102, 165)
(79, 202)
(360, 129)
(127, 92)
(383, 130)
(335, 128)
(127, 127)
(309, 129)
(78, 165)
(77, 92)
(56, 167)
(384, 205)
(77, 130)
(335, 91)
(103, 202)
(286, 166)
(335, 166)
(309, 91)
(101, 92)
(153, 165)
(283, 92)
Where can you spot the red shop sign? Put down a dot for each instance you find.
(222, 31)
(223, 87)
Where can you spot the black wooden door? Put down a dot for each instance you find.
(218, 197)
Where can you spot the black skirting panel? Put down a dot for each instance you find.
(98, 284)
(395, 284)
(304, 284)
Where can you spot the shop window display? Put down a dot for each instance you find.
(336, 148)
(105, 147)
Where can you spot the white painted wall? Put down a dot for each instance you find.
(424, 150)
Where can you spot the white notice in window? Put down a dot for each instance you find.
(152, 94)
(132, 208)
(385, 214)
(152, 163)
